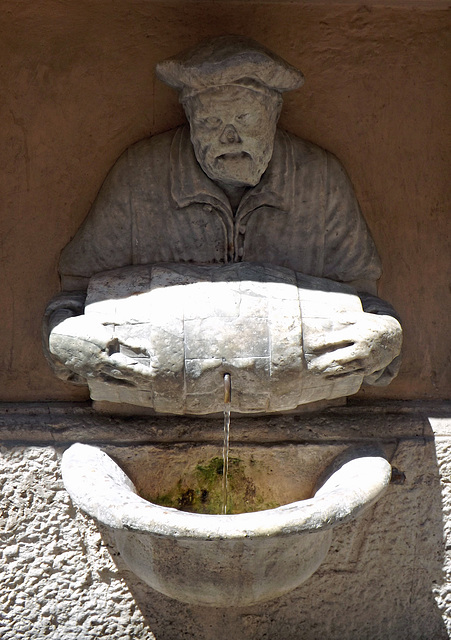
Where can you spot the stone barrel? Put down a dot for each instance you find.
(171, 331)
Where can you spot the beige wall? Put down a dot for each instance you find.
(78, 87)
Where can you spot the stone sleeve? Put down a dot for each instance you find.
(373, 304)
(62, 306)
(349, 251)
(104, 241)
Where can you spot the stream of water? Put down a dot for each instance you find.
(225, 448)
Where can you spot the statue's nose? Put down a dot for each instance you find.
(229, 135)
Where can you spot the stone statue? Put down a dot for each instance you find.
(228, 188)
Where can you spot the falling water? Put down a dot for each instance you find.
(225, 448)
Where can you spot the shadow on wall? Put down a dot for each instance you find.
(377, 581)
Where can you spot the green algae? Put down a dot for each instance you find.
(200, 491)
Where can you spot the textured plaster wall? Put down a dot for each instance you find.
(387, 575)
(57, 579)
(78, 87)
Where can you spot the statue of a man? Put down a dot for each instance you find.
(228, 187)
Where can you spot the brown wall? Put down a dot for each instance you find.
(78, 87)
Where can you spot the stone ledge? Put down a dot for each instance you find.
(63, 423)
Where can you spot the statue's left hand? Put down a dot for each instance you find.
(363, 343)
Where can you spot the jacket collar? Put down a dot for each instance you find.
(190, 185)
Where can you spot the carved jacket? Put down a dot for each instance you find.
(157, 205)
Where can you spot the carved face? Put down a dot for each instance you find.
(232, 132)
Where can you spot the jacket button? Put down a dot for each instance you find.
(242, 229)
(241, 252)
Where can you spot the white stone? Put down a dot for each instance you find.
(299, 339)
(223, 560)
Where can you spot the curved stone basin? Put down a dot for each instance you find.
(220, 560)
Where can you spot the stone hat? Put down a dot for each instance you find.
(228, 60)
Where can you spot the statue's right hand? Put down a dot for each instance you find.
(90, 349)
(78, 342)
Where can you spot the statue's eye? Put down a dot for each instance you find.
(212, 121)
(243, 117)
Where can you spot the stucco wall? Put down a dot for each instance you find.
(78, 87)
(57, 578)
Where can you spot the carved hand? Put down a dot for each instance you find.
(362, 344)
(89, 348)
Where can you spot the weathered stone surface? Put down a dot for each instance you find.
(144, 344)
(222, 560)
(62, 423)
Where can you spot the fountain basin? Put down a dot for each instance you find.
(220, 560)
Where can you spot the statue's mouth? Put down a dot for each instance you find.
(237, 155)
